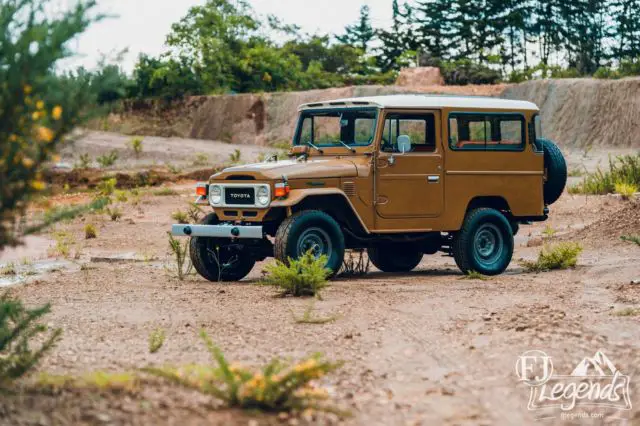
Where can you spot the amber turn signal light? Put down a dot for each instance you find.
(282, 190)
(202, 189)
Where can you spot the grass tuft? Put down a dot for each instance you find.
(560, 256)
(90, 231)
(473, 275)
(627, 312)
(623, 170)
(308, 318)
(108, 160)
(8, 270)
(97, 380)
(165, 192)
(179, 251)
(626, 190)
(180, 217)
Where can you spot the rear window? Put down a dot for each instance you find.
(486, 132)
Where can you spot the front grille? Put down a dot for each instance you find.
(239, 196)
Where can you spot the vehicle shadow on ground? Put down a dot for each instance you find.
(376, 275)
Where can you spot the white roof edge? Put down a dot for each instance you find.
(425, 101)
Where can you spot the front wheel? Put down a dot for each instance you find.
(310, 231)
(485, 242)
(217, 259)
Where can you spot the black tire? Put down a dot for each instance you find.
(485, 242)
(555, 171)
(310, 229)
(394, 257)
(238, 260)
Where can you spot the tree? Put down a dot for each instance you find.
(433, 27)
(361, 33)
(37, 108)
(211, 38)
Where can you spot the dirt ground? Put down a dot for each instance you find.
(428, 347)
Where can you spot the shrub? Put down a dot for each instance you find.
(121, 196)
(180, 217)
(464, 71)
(64, 242)
(305, 276)
(90, 231)
(107, 187)
(18, 328)
(38, 107)
(276, 387)
(156, 340)
(108, 160)
(201, 160)
(84, 162)
(355, 264)
(626, 190)
(235, 156)
(136, 146)
(194, 213)
(631, 239)
(114, 213)
(628, 312)
(624, 169)
(606, 73)
(8, 269)
(560, 256)
(179, 251)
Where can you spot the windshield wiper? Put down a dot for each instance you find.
(315, 147)
(348, 147)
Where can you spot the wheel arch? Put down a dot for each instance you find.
(336, 205)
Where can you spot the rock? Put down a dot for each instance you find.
(635, 282)
(420, 77)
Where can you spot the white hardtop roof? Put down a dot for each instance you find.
(425, 101)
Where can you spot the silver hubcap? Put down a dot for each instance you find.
(316, 241)
(488, 243)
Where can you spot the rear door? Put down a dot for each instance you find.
(410, 184)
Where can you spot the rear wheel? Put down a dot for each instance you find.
(485, 242)
(217, 259)
(394, 257)
(310, 231)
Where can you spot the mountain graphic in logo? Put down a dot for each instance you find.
(599, 365)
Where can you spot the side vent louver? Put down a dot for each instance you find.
(349, 188)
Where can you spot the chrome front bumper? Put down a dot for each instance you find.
(218, 231)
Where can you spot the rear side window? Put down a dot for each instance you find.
(486, 132)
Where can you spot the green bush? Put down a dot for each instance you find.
(623, 169)
(276, 387)
(108, 160)
(37, 107)
(631, 239)
(18, 328)
(305, 276)
(136, 146)
(156, 340)
(464, 71)
(560, 256)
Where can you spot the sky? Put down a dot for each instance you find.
(142, 25)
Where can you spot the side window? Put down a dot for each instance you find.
(486, 132)
(306, 135)
(420, 128)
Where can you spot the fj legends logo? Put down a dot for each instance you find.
(594, 382)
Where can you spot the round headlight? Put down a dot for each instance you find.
(215, 194)
(263, 196)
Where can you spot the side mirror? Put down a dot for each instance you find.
(404, 144)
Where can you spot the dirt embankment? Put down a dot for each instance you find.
(247, 118)
(586, 112)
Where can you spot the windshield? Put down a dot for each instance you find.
(331, 127)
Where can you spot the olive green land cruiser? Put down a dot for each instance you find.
(400, 176)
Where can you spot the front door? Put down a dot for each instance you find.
(409, 174)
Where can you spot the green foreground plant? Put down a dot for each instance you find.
(305, 276)
(560, 256)
(278, 386)
(631, 239)
(18, 328)
(624, 172)
(179, 250)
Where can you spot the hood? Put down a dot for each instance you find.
(320, 168)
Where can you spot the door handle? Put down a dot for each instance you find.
(433, 179)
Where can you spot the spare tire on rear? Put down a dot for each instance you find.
(555, 171)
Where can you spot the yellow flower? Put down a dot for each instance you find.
(40, 105)
(45, 134)
(27, 162)
(27, 89)
(36, 116)
(13, 138)
(38, 185)
(56, 113)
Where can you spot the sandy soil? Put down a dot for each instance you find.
(426, 347)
